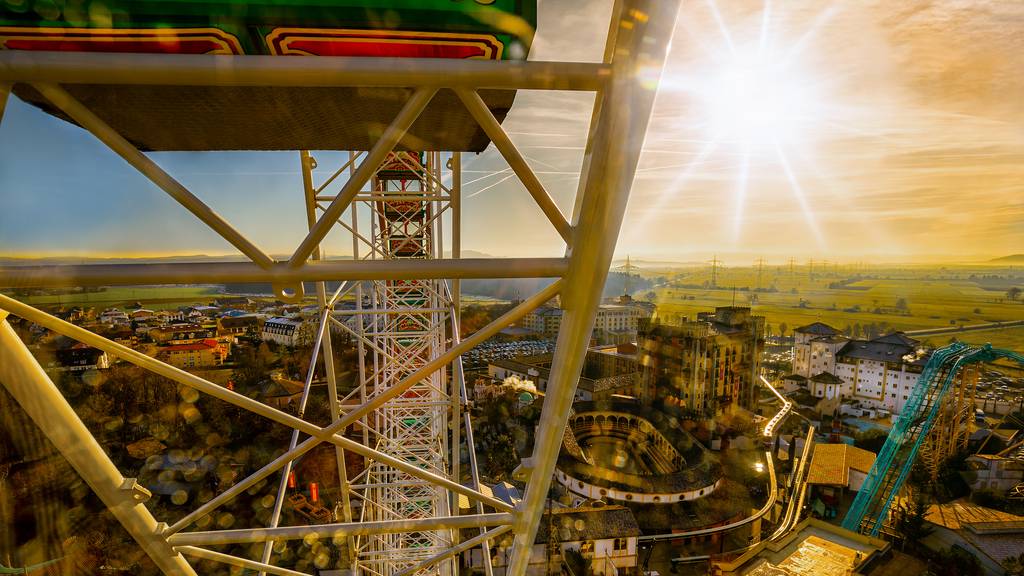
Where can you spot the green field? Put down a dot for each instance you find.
(1011, 338)
(152, 297)
(892, 299)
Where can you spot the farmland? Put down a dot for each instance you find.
(153, 297)
(881, 299)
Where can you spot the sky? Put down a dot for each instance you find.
(863, 130)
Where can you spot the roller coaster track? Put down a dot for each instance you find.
(892, 466)
(773, 492)
(799, 490)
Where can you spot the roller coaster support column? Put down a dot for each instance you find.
(638, 43)
(26, 381)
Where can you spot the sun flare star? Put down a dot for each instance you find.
(757, 102)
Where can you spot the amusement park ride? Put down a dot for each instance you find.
(870, 509)
(407, 86)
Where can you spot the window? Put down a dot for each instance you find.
(620, 544)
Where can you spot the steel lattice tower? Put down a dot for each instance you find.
(403, 328)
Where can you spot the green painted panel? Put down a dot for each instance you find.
(466, 28)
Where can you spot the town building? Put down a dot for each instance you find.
(174, 334)
(141, 314)
(235, 326)
(812, 548)
(836, 470)
(78, 357)
(112, 316)
(614, 358)
(707, 365)
(288, 332)
(601, 376)
(237, 302)
(605, 537)
(991, 536)
(879, 373)
(1001, 473)
(205, 354)
(614, 323)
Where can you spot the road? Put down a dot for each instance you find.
(971, 328)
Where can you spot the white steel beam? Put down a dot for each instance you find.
(29, 385)
(236, 561)
(328, 434)
(483, 116)
(218, 537)
(641, 45)
(324, 270)
(84, 117)
(275, 515)
(217, 70)
(482, 539)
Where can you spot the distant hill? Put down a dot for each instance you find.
(1011, 259)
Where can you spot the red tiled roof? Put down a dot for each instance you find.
(204, 345)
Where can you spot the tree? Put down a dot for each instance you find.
(911, 521)
(901, 304)
(1013, 293)
(782, 329)
(955, 562)
(1014, 565)
(651, 296)
(577, 563)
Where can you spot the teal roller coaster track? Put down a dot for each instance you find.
(891, 468)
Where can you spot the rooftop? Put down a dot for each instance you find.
(958, 515)
(814, 548)
(818, 328)
(283, 320)
(831, 463)
(207, 344)
(826, 378)
(583, 524)
(890, 348)
(999, 535)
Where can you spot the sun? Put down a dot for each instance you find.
(758, 100)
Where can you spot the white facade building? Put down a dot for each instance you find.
(880, 373)
(113, 316)
(288, 332)
(614, 324)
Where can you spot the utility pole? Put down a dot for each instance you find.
(629, 272)
(760, 271)
(714, 270)
(791, 260)
(810, 268)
